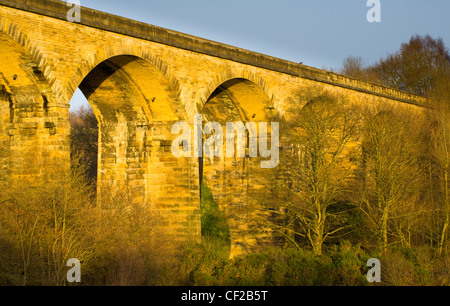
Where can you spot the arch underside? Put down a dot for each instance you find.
(237, 183)
(136, 107)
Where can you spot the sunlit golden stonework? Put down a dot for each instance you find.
(140, 80)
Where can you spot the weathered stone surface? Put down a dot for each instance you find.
(140, 80)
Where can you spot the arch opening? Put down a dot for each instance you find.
(84, 138)
(135, 107)
(236, 182)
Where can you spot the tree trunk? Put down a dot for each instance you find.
(384, 237)
(318, 231)
(447, 214)
(317, 243)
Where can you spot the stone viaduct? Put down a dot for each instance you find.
(140, 80)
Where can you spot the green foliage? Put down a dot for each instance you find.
(345, 265)
(117, 247)
(214, 223)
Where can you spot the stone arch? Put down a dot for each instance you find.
(237, 182)
(127, 93)
(108, 52)
(320, 99)
(228, 75)
(136, 107)
(140, 77)
(41, 63)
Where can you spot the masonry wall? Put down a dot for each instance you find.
(153, 78)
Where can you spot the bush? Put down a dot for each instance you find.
(213, 220)
(396, 270)
(274, 267)
(414, 267)
(44, 224)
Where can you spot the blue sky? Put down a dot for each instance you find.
(319, 33)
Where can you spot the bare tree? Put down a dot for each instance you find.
(84, 141)
(415, 67)
(440, 148)
(390, 171)
(44, 224)
(353, 67)
(319, 165)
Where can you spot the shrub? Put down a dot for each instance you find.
(274, 267)
(45, 223)
(213, 220)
